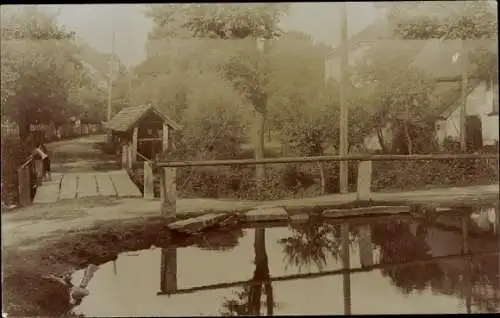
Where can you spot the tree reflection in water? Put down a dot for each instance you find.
(248, 301)
(221, 240)
(397, 245)
(312, 243)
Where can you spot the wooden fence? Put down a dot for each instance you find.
(168, 189)
(29, 176)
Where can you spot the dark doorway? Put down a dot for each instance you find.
(474, 133)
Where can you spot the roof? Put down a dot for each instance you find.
(372, 33)
(127, 117)
(446, 95)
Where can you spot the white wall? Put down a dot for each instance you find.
(479, 102)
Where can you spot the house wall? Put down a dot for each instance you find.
(480, 103)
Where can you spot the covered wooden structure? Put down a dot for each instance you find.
(141, 131)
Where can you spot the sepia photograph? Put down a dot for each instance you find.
(249, 159)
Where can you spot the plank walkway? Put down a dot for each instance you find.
(70, 186)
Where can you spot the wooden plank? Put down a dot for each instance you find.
(148, 191)
(362, 157)
(56, 178)
(24, 185)
(105, 185)
(69, 184)
(47, 193)
(134, 144)
(87, 185)
(165, 136)
(170, 191)
(124, 186)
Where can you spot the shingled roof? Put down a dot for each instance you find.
(127, 117)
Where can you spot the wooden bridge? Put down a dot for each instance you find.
(67, 186)
(79, 172)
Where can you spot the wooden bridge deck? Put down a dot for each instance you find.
(73, 185)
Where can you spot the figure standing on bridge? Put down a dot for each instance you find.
(42, 153)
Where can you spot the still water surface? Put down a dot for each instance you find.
(297, 270)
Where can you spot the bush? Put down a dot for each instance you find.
(412, 174)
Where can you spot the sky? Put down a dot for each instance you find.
(95, 24)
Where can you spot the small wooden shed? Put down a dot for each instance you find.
(142, 129)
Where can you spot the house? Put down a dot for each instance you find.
(371, 35)
(143, 129)
(441, 60)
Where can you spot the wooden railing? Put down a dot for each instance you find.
(32, 168)
(168, 190)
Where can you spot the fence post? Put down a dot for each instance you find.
(365, 246)
(124, 156)
(38, 171)
(24, 185)
(364, 180)
(168, 191)
(129, 157)
(148, 180)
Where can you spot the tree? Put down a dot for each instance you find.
(248, 300)
(395, 95)
(466, 20)
(210, 111)
(230, 22)
(39, 68)
(398, 245)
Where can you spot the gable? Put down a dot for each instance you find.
(128, 117)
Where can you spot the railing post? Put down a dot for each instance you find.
(364, 180)
(129, 157)
(148, 180)
(124, 156)
(38, 171)
(24, 185)
(168, 191)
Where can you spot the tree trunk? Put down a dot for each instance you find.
(322, 177)
(408, 138)
(261, 272)
(381, 140)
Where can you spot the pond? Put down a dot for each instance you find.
(394, 266)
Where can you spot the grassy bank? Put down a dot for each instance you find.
(28, 293)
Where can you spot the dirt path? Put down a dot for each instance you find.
(81, 154)
(41, 221)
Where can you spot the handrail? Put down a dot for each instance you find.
(144, 157)
(170, 164)
(334, 272)
(26, 163)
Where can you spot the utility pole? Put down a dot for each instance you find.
(464, 57)
(260, 113)
(111, 71)
(344, 62)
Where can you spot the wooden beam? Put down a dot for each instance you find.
(148, 181)
(241, 162)
(336, 272)
(165, 137)
(168, 189)
(134, 144)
